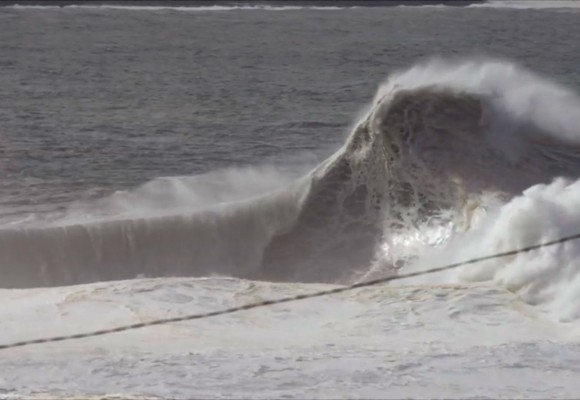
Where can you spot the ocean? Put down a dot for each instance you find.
(213, 152)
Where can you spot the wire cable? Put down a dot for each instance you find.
(283, 300)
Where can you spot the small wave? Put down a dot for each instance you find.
(182, 8)
(428, 6)
(528, 4)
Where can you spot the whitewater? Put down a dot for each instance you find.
(451, 159)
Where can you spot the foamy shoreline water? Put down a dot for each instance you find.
(383, 342)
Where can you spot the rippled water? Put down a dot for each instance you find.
(95, 100)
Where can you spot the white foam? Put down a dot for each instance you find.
(528, 4)
(460, 341)
(548, 277)
(527, 115)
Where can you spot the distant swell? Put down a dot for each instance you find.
(444, 147)
(321, 5)
(180, 8)
(529, 4)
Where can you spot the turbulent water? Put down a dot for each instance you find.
(455, 156)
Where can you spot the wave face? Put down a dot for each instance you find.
(444, 148)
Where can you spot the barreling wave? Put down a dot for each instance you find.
(442, 146)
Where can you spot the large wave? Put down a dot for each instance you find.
(459, 156)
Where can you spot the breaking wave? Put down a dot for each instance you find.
(452, 159)
(529, 4)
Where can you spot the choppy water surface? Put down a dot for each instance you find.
(95, 100)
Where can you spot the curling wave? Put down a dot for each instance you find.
(443, 146)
